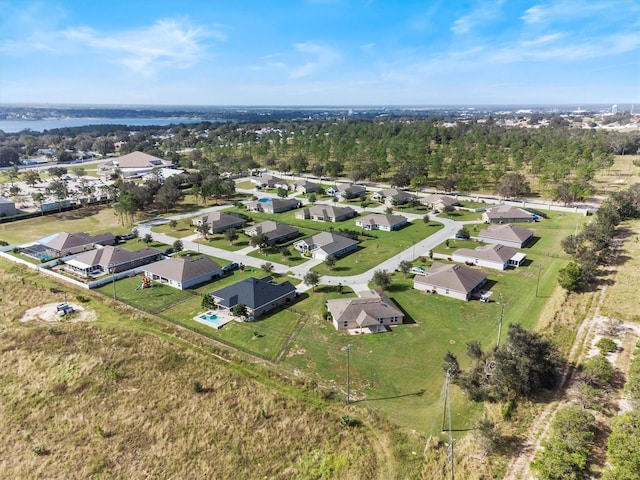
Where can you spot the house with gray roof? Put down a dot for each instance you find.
(324, 244)
(274, 205)
(134, 164)
(258, 295)
(267, 180)
(378, 221)
(184, 272)
(305, 186)
(276, 232)
(392, 196)
(326, 213)
(507, 214)
(455, 281)
(219, 222)
(63, 243)
(495, 256)
(346, 191)
(110, 259)
(372, 312)
(506, 234)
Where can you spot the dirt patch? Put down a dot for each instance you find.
(49, 313)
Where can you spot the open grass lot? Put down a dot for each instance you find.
(622, 295)
(274, 255)
(462, 215)
(114, 398)
(452, 244)
(622, 174)
(184, 228)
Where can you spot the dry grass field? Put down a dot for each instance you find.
(115, 398)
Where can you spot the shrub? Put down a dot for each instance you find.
(347, 421)
(40, 451)
(82, 299)
(606, 345)
(197, 387)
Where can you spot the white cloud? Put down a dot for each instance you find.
(483, 13)
(570, 10)
(323, 57)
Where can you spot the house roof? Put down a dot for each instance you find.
(394, 193)
(329, 242)
(4, 200)
(64, 240)
(343, 187)
(306, 184)
(219, 219)
(364, 310)
(253, 292)
(273, 230)
(284, 202)
(183, 269)
(454, 277)
(508, 232)
(330, 211)
(109, 255)
(507, 212)
(137, 160)
(380, 219)
(444, 200)
(493, 253)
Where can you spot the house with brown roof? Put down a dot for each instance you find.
(267, 180)
(63, 243)
(276, 232)
(346, 191)
(184, 272)
(378, 221)
(274, 205)
(219, 222)
(495, 256)
(324, 244)
(373, 312)
(506, 234)
(455, 281)
(326, 213)
(507, 214)
(110, 259)
(134, 164)
(439, 202)
(392, 196)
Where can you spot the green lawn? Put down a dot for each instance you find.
(183, 228)
(219, 241)
(274, 255)
(452, 244)
(462, 216)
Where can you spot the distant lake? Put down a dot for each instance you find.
(13, 126)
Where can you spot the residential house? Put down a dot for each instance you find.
(219, 222)
(274, 205)
(324, 244)
(392, 196)
(184, 272)
(134, 164)
(439, 202)
(276, 232)
(506, 234)
(305, 186)
(495, 256)
(507, 214)
(372, 312)
(110, 259)
(7, 208)
(63, 244)
(346, 191)
(378, 221)
(455, 281)
(267, 180)
(258, 295)
(326, 213)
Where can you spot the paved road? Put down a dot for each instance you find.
(357, 282)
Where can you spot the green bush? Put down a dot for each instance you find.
(606, 345)
(633, 376)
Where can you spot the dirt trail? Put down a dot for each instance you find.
(519, 465)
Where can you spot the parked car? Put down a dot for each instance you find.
(418, 270)
(168, 251)
(230, 267)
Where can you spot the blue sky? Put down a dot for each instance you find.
(320, 52)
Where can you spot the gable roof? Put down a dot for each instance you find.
(509, 232)
(454, 277)
(443, 200)
(507, 212)
(329, 242)
(64, 240)
(493, 253)
(219, 219)
(306, 184)
(330, 211)
(380, 219)
(183, 269)
(109, 255)
(364, 310)
(349, 188)
(271, 229)
(253, 292)
(395, 193)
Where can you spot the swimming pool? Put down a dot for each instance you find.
(211, 319)
(264, 200)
